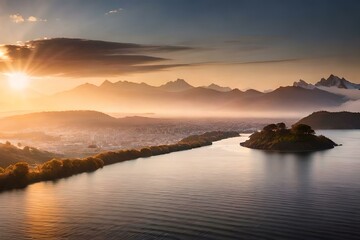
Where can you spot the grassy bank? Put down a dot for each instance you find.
(21, 174)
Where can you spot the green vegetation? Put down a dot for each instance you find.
(10, 154)
(21, 174)
(277, 137)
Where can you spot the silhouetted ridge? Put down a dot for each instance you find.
(57, 119)
(176, 86)
(216, 87)
(173, 96)
(331, 81)
(332, 120)
(10, 154)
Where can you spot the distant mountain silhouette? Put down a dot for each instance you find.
(181, 99)
(56, 119)
(253, 92)
(301, 83)
(218, 88)
(335, 81)
(332, 120)
(331, 81)
(300, 98)
(176, 86)
(70, 119)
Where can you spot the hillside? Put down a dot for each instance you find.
(10, 154)
(66, 119)
(57, 119)
(332, 120)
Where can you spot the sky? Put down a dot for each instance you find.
(260, 44)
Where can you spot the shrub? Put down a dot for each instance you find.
(52, 169)
(21, 169)
(270, 127)
(281, 126)
(302, 129)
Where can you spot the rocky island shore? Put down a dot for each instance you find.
(298, 138)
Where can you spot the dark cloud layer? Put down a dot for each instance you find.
(80, 57)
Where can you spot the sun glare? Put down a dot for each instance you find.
(3, 55)
(18, 80)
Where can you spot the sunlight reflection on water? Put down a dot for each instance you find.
(218, 192)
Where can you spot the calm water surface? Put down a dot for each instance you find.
(222, 191)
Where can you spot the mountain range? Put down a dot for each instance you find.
(336, 85)
(179, 98)
(85, 119)
(331, 81)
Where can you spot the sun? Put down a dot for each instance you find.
(18, 80)
(3, 55)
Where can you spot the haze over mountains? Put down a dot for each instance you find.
(181, 99)
(334, 84)
(70, 119)
(331, 81)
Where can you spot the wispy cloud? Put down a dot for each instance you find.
(35, 19)
(114, 11)
(18, 18)
(83, 58)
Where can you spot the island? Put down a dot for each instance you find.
(299, 138)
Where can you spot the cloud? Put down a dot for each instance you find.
(114, 11)
(351, 106)
(17, 18)
(271, 61)
(86, 58)
(35, 19)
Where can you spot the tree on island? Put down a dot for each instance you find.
(281, 126)
(298, 138)
(270, 127)
(302, 129)
(274, 127)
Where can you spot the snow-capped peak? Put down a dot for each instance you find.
(301, 83)
(335, 81)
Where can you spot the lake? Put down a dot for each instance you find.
(223, 191)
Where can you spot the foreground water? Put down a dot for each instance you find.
(223, 191)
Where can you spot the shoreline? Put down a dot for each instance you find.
(284, 151)
(20, 175)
